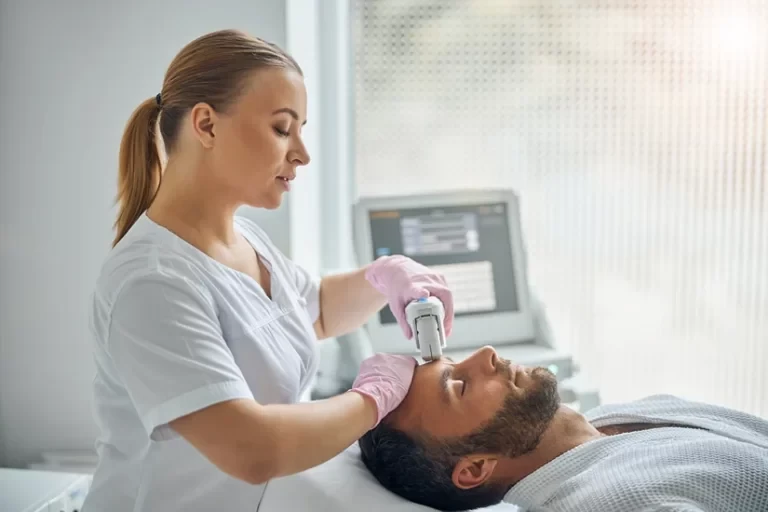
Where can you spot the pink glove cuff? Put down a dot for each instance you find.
(372, 273)
(379, 407)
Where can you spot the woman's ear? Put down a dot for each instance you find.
(473, 471)
(204, 119)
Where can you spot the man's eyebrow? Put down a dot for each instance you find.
(444, 383)
(290, 111)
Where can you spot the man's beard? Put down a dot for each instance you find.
(517, 427)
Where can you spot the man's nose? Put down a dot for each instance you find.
(484, 360)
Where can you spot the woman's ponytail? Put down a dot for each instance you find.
(140, 167)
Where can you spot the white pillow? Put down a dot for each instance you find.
(343, 484)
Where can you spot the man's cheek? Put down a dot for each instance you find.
(495, 392)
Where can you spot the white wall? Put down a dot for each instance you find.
(70, 75)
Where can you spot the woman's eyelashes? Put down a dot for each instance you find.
(281, 132)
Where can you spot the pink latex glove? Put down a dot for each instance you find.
(402, 281)
(386, 379)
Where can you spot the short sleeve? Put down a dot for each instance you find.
(169, 351)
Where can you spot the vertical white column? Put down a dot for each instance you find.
(304, 199)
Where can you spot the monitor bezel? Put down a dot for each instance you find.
(477, 329)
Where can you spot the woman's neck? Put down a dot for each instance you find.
(193, 209)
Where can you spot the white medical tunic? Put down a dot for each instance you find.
(175, 331)
(716, 461)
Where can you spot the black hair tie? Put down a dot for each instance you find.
(159, 99)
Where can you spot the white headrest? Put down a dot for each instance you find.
(342, 484)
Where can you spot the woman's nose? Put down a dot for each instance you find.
(300, 155)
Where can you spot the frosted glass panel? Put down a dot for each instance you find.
(635, 133)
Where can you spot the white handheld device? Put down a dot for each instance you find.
(426, 318)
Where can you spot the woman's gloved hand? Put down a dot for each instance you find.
(386, 379)
(402, 281)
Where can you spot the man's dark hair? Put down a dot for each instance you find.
(419, 470)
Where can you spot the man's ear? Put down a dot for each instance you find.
(204, 119)
(473, 471)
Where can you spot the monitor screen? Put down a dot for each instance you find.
(469, 244)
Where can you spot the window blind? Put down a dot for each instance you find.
(635, 133)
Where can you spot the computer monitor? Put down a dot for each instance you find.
(475, 239)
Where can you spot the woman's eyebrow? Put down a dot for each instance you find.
(289, 111)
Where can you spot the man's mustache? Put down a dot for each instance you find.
(503, 367)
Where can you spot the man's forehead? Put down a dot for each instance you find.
(424, 397)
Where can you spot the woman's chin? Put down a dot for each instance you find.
(270, 201)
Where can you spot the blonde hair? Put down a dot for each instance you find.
(212, 69)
